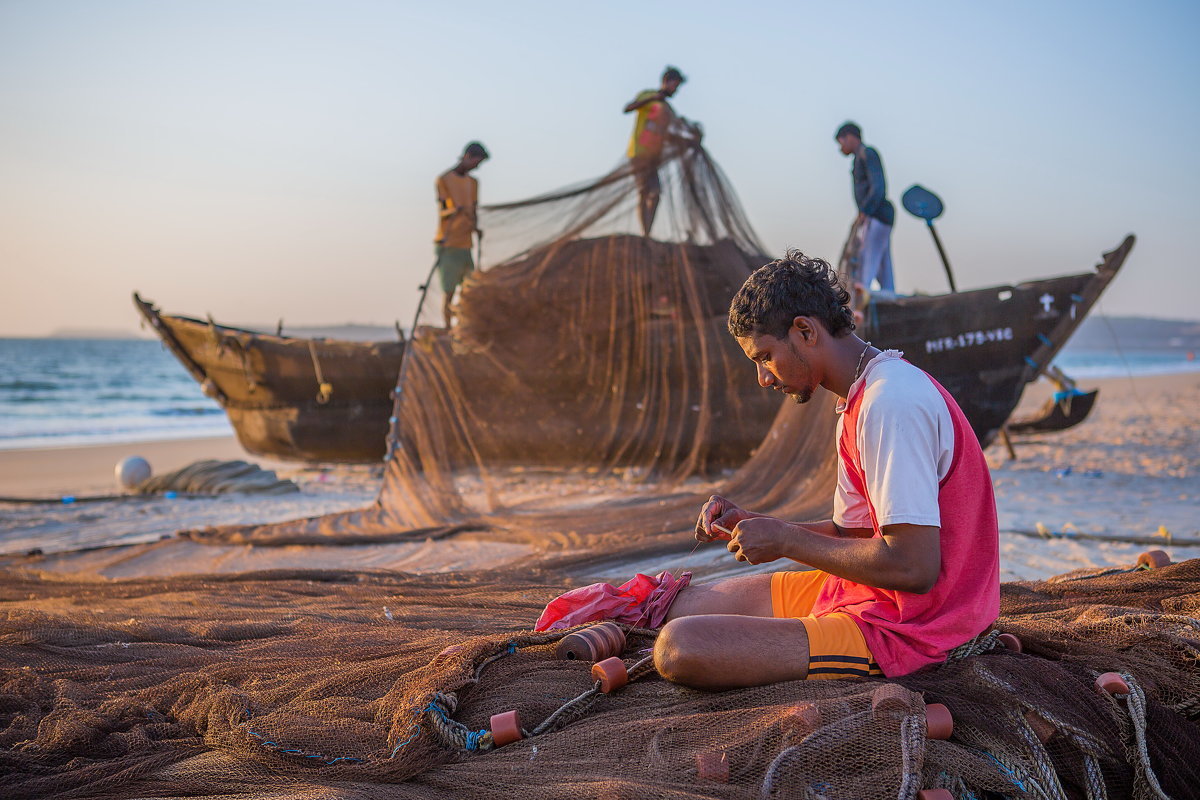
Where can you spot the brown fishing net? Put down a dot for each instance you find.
(596, 356)
(335, 684)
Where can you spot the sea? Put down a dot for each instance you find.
(68, 392)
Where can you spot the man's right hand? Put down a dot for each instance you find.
(718, 510)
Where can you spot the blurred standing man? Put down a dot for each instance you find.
(458, 199)
(875, 214)
(654, 120)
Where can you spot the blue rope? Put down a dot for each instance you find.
(277, 747)
(1043, 338)
(1011, 775)
(416, 731)
(473, 738)
(1031, 362)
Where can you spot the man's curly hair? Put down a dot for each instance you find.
(794, 286)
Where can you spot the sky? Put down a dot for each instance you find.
(266, 159)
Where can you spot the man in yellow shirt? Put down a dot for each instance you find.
(458, 199)
(655, 117)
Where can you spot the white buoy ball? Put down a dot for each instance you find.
(133, 472)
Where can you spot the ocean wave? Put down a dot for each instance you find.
(185, 412)
(29, 386)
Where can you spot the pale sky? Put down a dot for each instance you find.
(259, 159)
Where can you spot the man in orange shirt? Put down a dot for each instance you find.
(458, 200)
(655, 117)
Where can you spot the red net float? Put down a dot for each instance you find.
(592, 644)
(1010, 642)
(801, 719)
(506, 728)
(713, 766)
(890, 698)
(1111, 683)
(611, 673)
(1153, 559)
(934, 794)
(1042, 729)
(939, 723)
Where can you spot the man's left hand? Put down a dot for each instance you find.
(756, 540)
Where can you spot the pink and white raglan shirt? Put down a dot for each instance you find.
(906, 454)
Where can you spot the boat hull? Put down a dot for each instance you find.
(271, 387)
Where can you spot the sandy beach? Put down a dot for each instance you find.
(1132, 470)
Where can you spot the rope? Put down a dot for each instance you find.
(1174, 541)
(983, 643)
(784, 759)
(912, 755)
(576, 708)
(324, 390)
(1096, 789)
(442, 705)
(1135, 702)
(452, 732)
(1048, 781)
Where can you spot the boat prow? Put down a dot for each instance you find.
(288, 397)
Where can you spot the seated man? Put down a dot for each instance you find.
(907, 569)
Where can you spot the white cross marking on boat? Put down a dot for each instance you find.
(1046, 300)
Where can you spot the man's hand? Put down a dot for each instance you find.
(756, 540)
(724, 513)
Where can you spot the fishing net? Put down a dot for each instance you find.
(588, 397)
(376, 684)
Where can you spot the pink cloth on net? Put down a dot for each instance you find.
(641, 601)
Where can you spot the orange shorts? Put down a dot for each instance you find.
(836, 647)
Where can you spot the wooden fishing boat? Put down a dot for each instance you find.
(328, 400)
(985, 345)
(287, 397)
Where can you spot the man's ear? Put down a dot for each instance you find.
(806, 329)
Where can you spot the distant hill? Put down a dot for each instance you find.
(1135, 333)
(350, 332)
(98, 333)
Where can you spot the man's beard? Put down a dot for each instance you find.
(801, 397)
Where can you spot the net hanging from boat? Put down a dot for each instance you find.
(588, 397)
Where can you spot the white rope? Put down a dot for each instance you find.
(1135, 701)
(912, 754)
(1096, 790)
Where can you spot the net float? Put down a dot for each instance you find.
(506, 728)
(801, 720)
(1042, 729)
(713, 766)
(1153, 559)
(934, 794)
(611, 673)
(1111, 683)
(890, 697)
(592, 644)
(939, 722)
(1009, 642)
